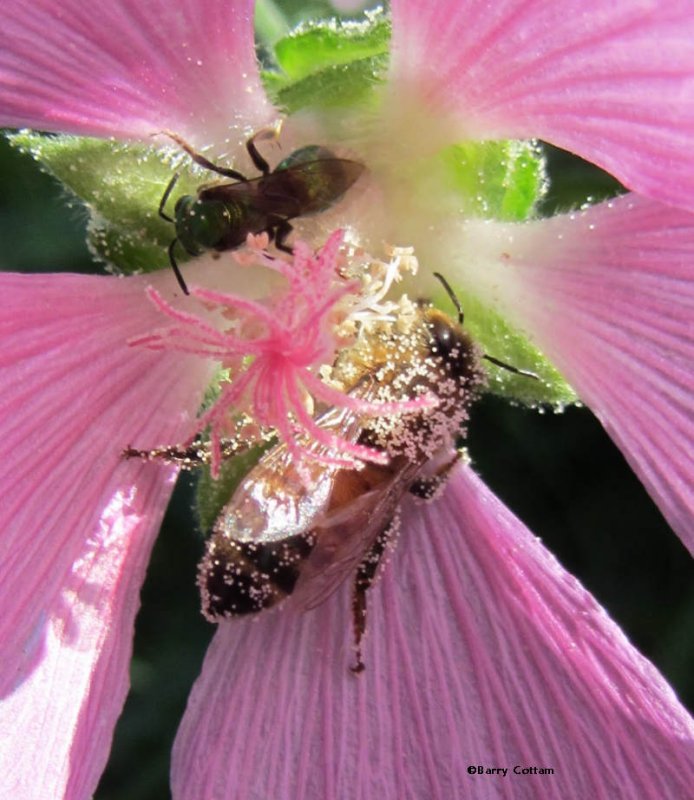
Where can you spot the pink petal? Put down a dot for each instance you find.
(613, 82)
(77, 521)
(481, 651)
(130, 69)
(608, 295)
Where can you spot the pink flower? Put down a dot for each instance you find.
(296, 333)
(482, 650)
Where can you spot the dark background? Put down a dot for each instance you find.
(560, 473)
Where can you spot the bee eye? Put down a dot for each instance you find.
(452, 348)
(443, 340)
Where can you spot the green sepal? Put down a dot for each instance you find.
(335, 87)
(330, 64)
(212, 495)
(318, 45)
(502, 180)
(120, 186)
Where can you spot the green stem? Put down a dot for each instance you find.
(270, 22)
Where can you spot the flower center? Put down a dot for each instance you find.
(328, 338)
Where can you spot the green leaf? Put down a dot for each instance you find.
(335, 87)
(330, 64)
(315, 46)
(270, 22)
(502, 180)
(120, 186)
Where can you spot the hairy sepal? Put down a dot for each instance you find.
(329, 64)
(120, 186)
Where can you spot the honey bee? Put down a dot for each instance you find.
(282, 537)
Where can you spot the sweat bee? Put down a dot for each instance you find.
(221, 215)
(282, 537)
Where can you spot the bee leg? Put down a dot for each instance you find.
(282, 229)
(260, 163)
(176, 268)
(187, 456)
(165, 197)
(364, 578)
(359, 622)
(205, 162)
(426, 488)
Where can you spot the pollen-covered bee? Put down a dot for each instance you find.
(281, 536)
(297, 532)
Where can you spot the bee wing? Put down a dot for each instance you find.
(309, 187)
(345, 536)
(274, 501)
(298, 190)
(239, 192)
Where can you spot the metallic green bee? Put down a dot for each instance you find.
(221, 216)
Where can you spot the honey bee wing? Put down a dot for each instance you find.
(345, 536)
(275, 500)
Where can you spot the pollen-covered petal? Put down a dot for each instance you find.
(77, 521)
(480, 650)
(612, 82)
(130, 69)
(608, 295)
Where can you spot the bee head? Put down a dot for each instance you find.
(450, 345)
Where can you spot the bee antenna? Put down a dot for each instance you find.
(454, 299)
(525, 372)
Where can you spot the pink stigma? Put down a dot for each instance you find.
(273, 349)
